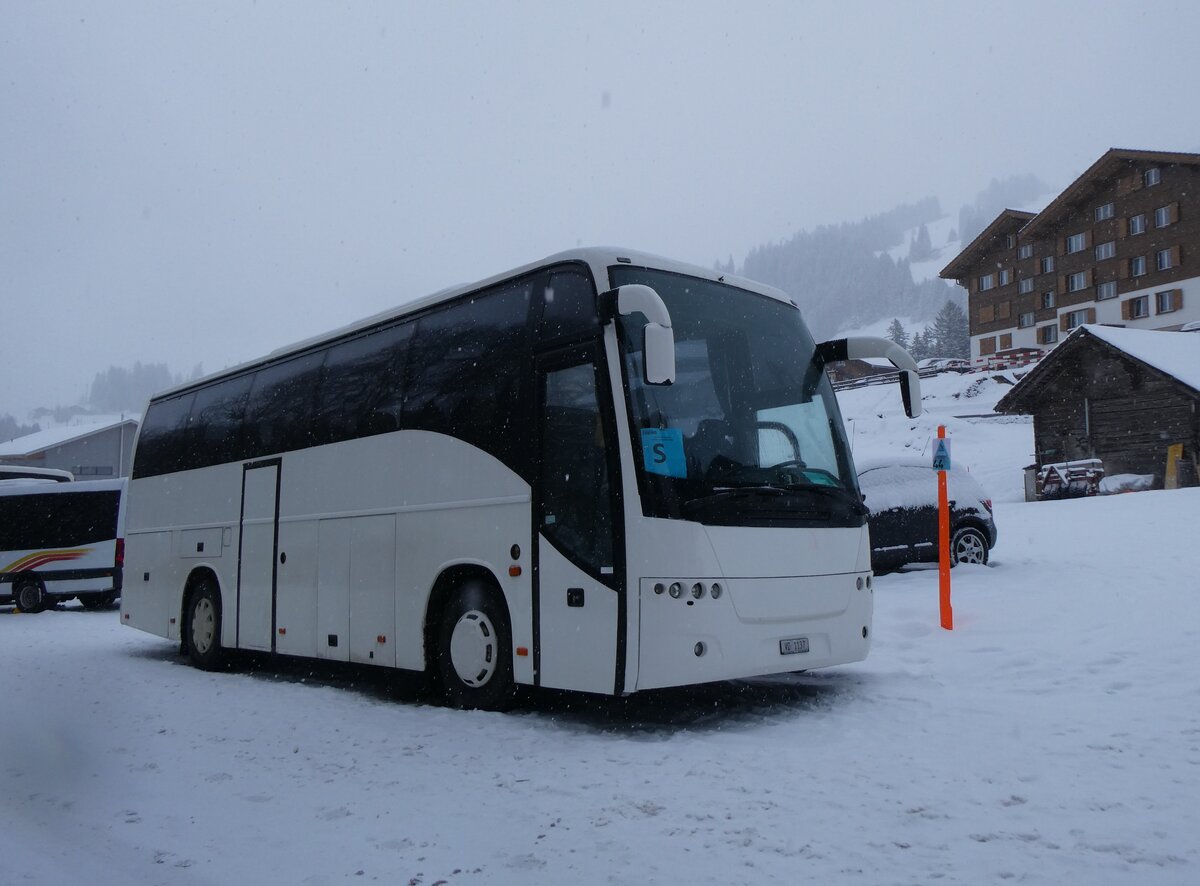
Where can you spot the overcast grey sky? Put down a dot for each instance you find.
(204, 182)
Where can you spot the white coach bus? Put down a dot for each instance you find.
(603, 472)
(59, 540)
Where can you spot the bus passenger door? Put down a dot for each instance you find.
(256, 555)
(577, 604)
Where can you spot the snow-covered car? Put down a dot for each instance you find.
(902, 499)
(945, 364)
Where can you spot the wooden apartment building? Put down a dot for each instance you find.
(1120, 246)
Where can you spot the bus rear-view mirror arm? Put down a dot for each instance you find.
(864, 347)
(658, 342)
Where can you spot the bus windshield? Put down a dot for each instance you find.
(750, 433)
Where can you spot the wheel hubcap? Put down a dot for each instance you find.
(28, 597)
(473, 649)
(970, 549)
(204, 621)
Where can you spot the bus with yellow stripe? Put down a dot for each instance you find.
(60, 541)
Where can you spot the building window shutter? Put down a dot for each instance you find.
(1123, 269)
(1122, 227)
(1127, 309)
(973, 284)
(1176, 299)
(1087, 238)
(1173, 213)
(1064, 321)
(1089, 282)
(1062, 245)
(1091, 315)
(1137, 181)
(1062, 284)
(1174, 256)
(1124, 185)
(1006, 341)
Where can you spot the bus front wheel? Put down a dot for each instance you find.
(30, 596)
(203, 629)
(474, 650)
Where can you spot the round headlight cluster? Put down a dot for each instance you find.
(695, 591)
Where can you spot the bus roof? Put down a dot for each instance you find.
(24, 487)
(599, 259)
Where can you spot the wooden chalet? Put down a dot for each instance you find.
(1124, 396)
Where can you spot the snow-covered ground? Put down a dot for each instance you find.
(1052, 737)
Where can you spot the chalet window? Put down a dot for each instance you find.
(1076, 282)
(987, 345)
(1077, 318)
(1025, 320)
(1167, 301)
(1106, 250)
(987, 313)
(1137, 223)
(1010, 240)
(1047, 264)
(1025, 250)
(1162, 217)
(1137, 266)
(1152, 176)
(1026, 285)
(1005, 277)
(1164, 259)
(1136, 308)
(1104, 212)
(1108, 289)
(1047, 300)
(1076, 243)
(986, 282)
(1047, 335)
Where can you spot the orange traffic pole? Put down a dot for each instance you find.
(947, 612)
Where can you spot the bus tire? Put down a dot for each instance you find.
(202, 628)
(29, 595)
(473, 657)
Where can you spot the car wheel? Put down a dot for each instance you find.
(968, 546)
(202, 631)
(474, 650)
(29, 595)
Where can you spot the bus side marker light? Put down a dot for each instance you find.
(282, 631)
(523, 651)
(381, 639)
(514, 571)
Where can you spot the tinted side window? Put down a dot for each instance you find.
(362, 387)
(162, 446)
(467, 366)
(30, 522)
(568, 307)
(281, 410)
(215, 425)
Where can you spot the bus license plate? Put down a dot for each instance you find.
(793, 646)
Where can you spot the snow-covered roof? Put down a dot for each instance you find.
(1170, 352)
(31, 444)
(1175, 354)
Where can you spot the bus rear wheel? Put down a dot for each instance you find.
(29, 595)
(473, 658)
(202, 628)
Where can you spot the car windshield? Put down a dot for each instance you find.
(749, 433)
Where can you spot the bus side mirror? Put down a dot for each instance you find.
(658, 342)
(864, 347)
